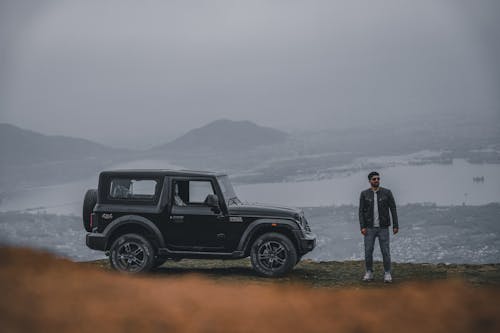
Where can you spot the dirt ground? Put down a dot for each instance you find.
(327, 274)
(42, 293)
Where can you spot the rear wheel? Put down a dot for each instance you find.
(132, 253)
(273, 255)
(89, 202)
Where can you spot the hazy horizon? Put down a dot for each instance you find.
(155, 70)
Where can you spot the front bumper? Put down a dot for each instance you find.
(96, 241)
(306, 241)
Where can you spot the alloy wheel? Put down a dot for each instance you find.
(272, 255)
(131, 256)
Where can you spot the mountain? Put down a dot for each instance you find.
(30, 158)
(225, 135)
(20, 146)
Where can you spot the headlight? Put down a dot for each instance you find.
(301, 221)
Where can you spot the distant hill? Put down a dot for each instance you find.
(20, 146)
(30, 158)
(225, 135)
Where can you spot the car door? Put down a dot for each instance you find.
(192, 224)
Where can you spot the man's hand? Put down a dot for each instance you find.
(395, 230)
(363, 231)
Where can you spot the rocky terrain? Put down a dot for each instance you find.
(429, 234)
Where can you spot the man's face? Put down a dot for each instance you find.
(375, 181)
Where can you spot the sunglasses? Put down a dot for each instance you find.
(375, 178)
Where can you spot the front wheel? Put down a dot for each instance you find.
(132, 253)
(273, 255)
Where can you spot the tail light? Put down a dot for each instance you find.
(94, 221)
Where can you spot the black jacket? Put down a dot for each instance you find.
(385, 203)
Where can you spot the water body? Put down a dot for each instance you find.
(428, 234)
(443, 184)
(67, 198)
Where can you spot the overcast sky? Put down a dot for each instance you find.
(142, 72)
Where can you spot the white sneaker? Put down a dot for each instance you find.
(368, 276)
(387, 277)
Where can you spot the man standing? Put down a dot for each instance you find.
(374, 206)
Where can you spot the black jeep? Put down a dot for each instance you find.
(141, 218)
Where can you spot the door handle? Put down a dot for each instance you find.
(177, 218)
(220, 217)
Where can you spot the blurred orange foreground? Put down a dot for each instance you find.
(42, 293)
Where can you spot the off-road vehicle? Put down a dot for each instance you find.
(141, 218)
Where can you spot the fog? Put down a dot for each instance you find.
(140, 73)
(297, 101)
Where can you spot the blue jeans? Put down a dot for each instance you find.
(383, 240)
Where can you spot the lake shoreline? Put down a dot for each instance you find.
(456, 183)
(428, 234)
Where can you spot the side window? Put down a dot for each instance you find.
(198, 191)
(119, 188)
(143, 188)
(133, 189)
(191, 192)
(181, 193)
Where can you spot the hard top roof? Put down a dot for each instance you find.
(160, 172)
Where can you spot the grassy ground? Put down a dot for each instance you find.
(43, 293)
(330, 274)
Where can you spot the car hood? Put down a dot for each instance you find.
(264, 210)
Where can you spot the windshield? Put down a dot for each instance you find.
(228, 191)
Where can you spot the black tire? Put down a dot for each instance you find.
(273, 255)
(89, 202)
(132, 253)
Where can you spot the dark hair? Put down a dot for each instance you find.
(371, 174)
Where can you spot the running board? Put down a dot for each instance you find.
(164, 252)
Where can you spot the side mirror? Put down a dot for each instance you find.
(212, 201)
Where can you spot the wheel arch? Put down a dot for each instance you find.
(263, 226)
(133, 224)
